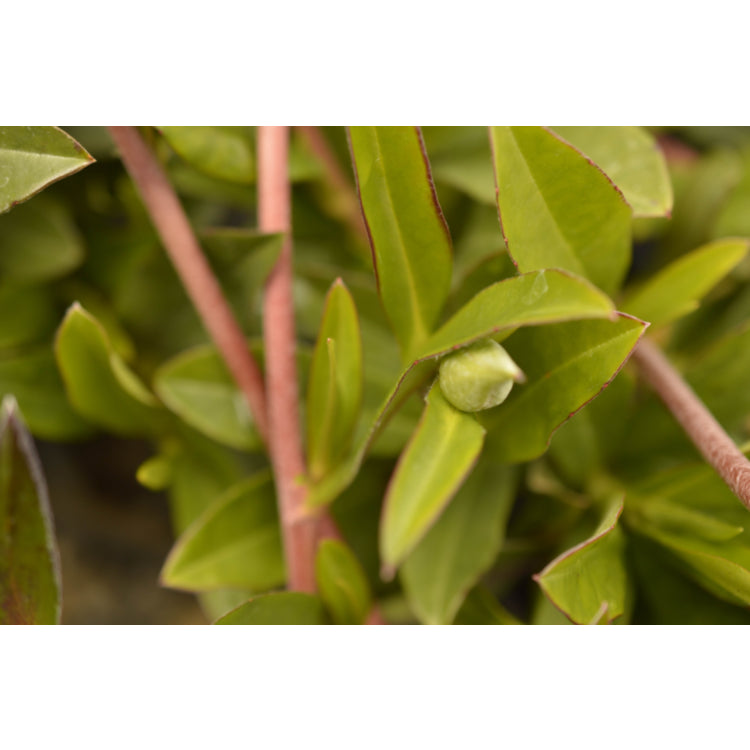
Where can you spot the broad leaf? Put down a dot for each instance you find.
(99, 384)
(558, 209)
(566, 365)
(342, 583)
(435, 463)
(334, 393)
(631, 158)
(677, 289)
(462, 544)
(284, 608)
(32, 158)
(409, 237)
(591, 575)
(30, 585)
(235, 543)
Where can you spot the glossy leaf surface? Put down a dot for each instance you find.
(283, 608)
(342, 583)
(30, 585)
(558, 209)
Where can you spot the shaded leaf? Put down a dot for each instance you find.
(32, 158)
(481, 608)
(409, 237)
(284, 608)
(30, 585)
(435, 463)
(27, 315)
(558, 209)
(342, 583)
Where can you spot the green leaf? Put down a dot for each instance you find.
(99, 384)
(38, 242)
(235, 543)
(410, 240)
(225, 152)
(334, 394)
(199, 389)
(462, 544)
(27, 315)
(530, 300)
(631, 158)
(585, 578)
(566, 366)
(30, 584)
(284, 608)
(435, 463)
(558, 209)
(342, 583)
(677, 289)
(481, 608)
(32, 158)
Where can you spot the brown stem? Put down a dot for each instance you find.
(197, 277)
(700, 425)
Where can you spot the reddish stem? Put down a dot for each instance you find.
(197, 277)
(700, 425)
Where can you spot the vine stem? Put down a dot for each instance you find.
(697, 421)
(196, 275)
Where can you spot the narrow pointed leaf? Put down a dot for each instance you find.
(342, 583)
(590, 575)
(631, 158)
(235, 543)
(566, 366)
(437, 460)
(677, 289)
(283, 608)
(409, 237)
(334, 394)
(558, 209)
(32, 158)
(30, 585)
(462, 544)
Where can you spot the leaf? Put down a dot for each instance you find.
(481, 608)
(99, 384)
(410, 240)
(31, 158)
(235, 543)
(27, 315)
(592, 574)
(566, 366)
(225, 152)
(284, 608)
(677, 289)
(38, 242)
(532, 299)
(30, 583)
(462, 544)
(199, 389)
(434, 464)
(342, 583)
(631, 158)
(558, 209)
(334, 392)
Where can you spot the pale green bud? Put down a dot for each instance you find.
(479, 376)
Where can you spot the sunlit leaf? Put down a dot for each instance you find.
(284, 608)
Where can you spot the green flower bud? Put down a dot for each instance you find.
(479, 376)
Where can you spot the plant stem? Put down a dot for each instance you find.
(699, 424)
(197, 277)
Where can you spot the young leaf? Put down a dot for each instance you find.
(235, 543)
(558, 209)
(283, 608)
(434, 464)
(334, 392)
(631, 158)
(99, 384)
(566, 366)
(677, 289)
(342, 583)
(410, 240)
(32, 158)
(592, 574)
(461, 545)
(30, 585)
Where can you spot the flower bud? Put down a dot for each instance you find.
(479, 376)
